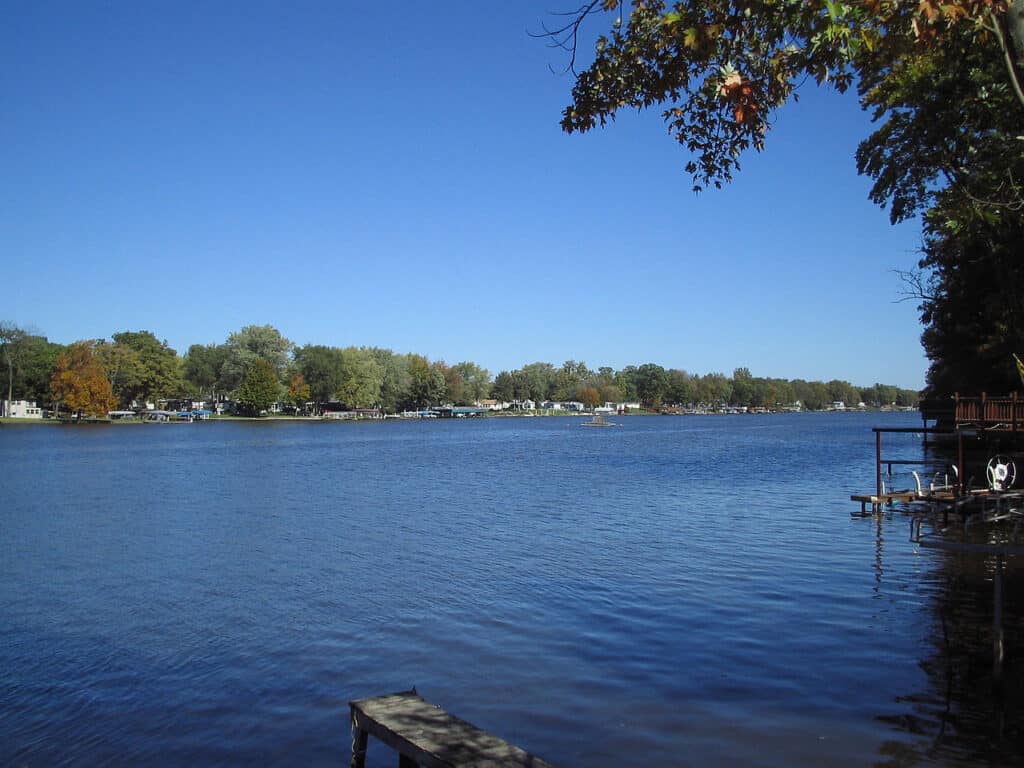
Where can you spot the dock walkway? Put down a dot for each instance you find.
(425, 735)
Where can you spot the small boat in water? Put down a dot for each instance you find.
(599, 420)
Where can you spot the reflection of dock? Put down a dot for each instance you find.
(950, 515)
(425, 735)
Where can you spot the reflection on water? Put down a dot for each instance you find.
(675, 591)
(970, 712)
(971, 709)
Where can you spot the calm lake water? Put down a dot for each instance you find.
(686, 591)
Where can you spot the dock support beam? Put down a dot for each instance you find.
(878, 464)
(359, 743)
(997, 623)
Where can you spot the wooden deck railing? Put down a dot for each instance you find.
(1004, 413)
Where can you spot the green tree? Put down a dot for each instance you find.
(742, 387)
(651, 384)
(713, 389)
(538, 381)
(254, 341)
(202, 367)
(141, 367)
(468, 383)
(763, 394)
(813, 395)
(625, 382)
(844, 392)
(426, 383)
(37, 359)
(907, 398)
(680, 389)
(260, 387)
(503, 388)
(12, 339)
(361, 378)
(395, 381)
(323, 368)
(568, 380)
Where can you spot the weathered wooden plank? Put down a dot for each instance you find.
(432, 737)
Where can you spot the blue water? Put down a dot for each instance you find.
(672, 591)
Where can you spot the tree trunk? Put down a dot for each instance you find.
(1010, 29)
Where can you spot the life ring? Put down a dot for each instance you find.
(1001, 473)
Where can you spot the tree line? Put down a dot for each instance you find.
(257, 366)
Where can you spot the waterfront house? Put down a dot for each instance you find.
(492, 405)
(571, 405)
(22, 409)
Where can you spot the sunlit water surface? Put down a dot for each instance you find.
(684, 591)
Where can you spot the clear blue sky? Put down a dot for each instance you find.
(361, 174)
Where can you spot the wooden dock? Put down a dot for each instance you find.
(425, 735)
(878, 499)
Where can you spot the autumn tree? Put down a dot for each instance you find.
(298, 391)
(80, 382)
(589, 396)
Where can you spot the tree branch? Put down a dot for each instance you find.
(567, 37)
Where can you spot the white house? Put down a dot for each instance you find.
(22, 409)
(492, 405)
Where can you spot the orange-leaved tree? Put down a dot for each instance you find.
(80, 382)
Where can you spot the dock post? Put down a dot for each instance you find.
(878, 465)
(997, 623)
(961, 469)
(359, 742)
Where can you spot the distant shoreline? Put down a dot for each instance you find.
(8, 420)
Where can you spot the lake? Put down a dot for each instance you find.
(686, 591)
